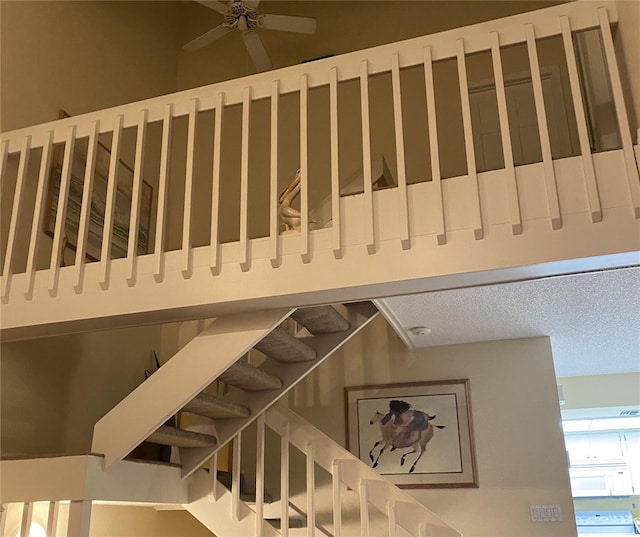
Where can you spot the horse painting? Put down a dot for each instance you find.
(403, 427)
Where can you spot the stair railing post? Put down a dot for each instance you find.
(284, 480)
(633, 175)
(311, 483)
(38, 213)
(588, 169)
(85, 212)
(136, 197)
(52, 519)
(260, 445)
(213, 476)
(235, 478)
(79, 518)
(163, 183)
(3, 516)
(364, 507)
(337, 502)
(393, 521)
(27, 516)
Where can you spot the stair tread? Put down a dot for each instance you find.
(212, 407)
(246, 377)
(172, 436)
(283, 346)
(321, 320)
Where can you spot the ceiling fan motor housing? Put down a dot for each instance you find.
(239, 11)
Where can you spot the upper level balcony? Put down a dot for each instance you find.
(492, 152)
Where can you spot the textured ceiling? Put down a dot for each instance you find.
(593, 319)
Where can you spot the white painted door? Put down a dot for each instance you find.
(523, 122)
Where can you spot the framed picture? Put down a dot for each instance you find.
(122, 210)
(418, 435)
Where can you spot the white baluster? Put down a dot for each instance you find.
(335, 168)
(260, 444)
(38, 213)
(61, 214)
(441, 234)
(631, 166)
(215, 190)
(304, 171)
(393, 520)
(7, 269)
(284, 481)
(4, 153)
(581, 122)
(274, 218)
(478, 230)
(403, 211)
(187, 251)
(545, 144)
(3, 518)
(366, 157)
(27, 516)
(79, 518)
(244, 180)
(85, 211)
(163, 182)
(235, 478)
(52, 519)
(507, 150)
(364, 507)
(213, 476)
(110, 203)
(134, 217)
(311, 489)
(336, 482)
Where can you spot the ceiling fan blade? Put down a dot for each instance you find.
(214, 4)
(253, 4)
(206, 38)
(257, 51)
(288, 23)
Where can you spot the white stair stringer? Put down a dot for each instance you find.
(408, 513)
(290, 373)
(217, 514)
(179, 380)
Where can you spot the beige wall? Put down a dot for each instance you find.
(54, 390)
(83, 56)
(516, 419)
(601, 391)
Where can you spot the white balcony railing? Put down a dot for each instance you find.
(187, 278)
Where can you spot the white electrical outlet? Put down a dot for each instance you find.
(545, 513)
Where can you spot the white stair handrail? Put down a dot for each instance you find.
(407, 512)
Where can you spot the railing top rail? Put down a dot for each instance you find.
(546, 21)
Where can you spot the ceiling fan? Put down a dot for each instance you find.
(243, 15)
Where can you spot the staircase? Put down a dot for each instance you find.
(290, 343)
(354, 487)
